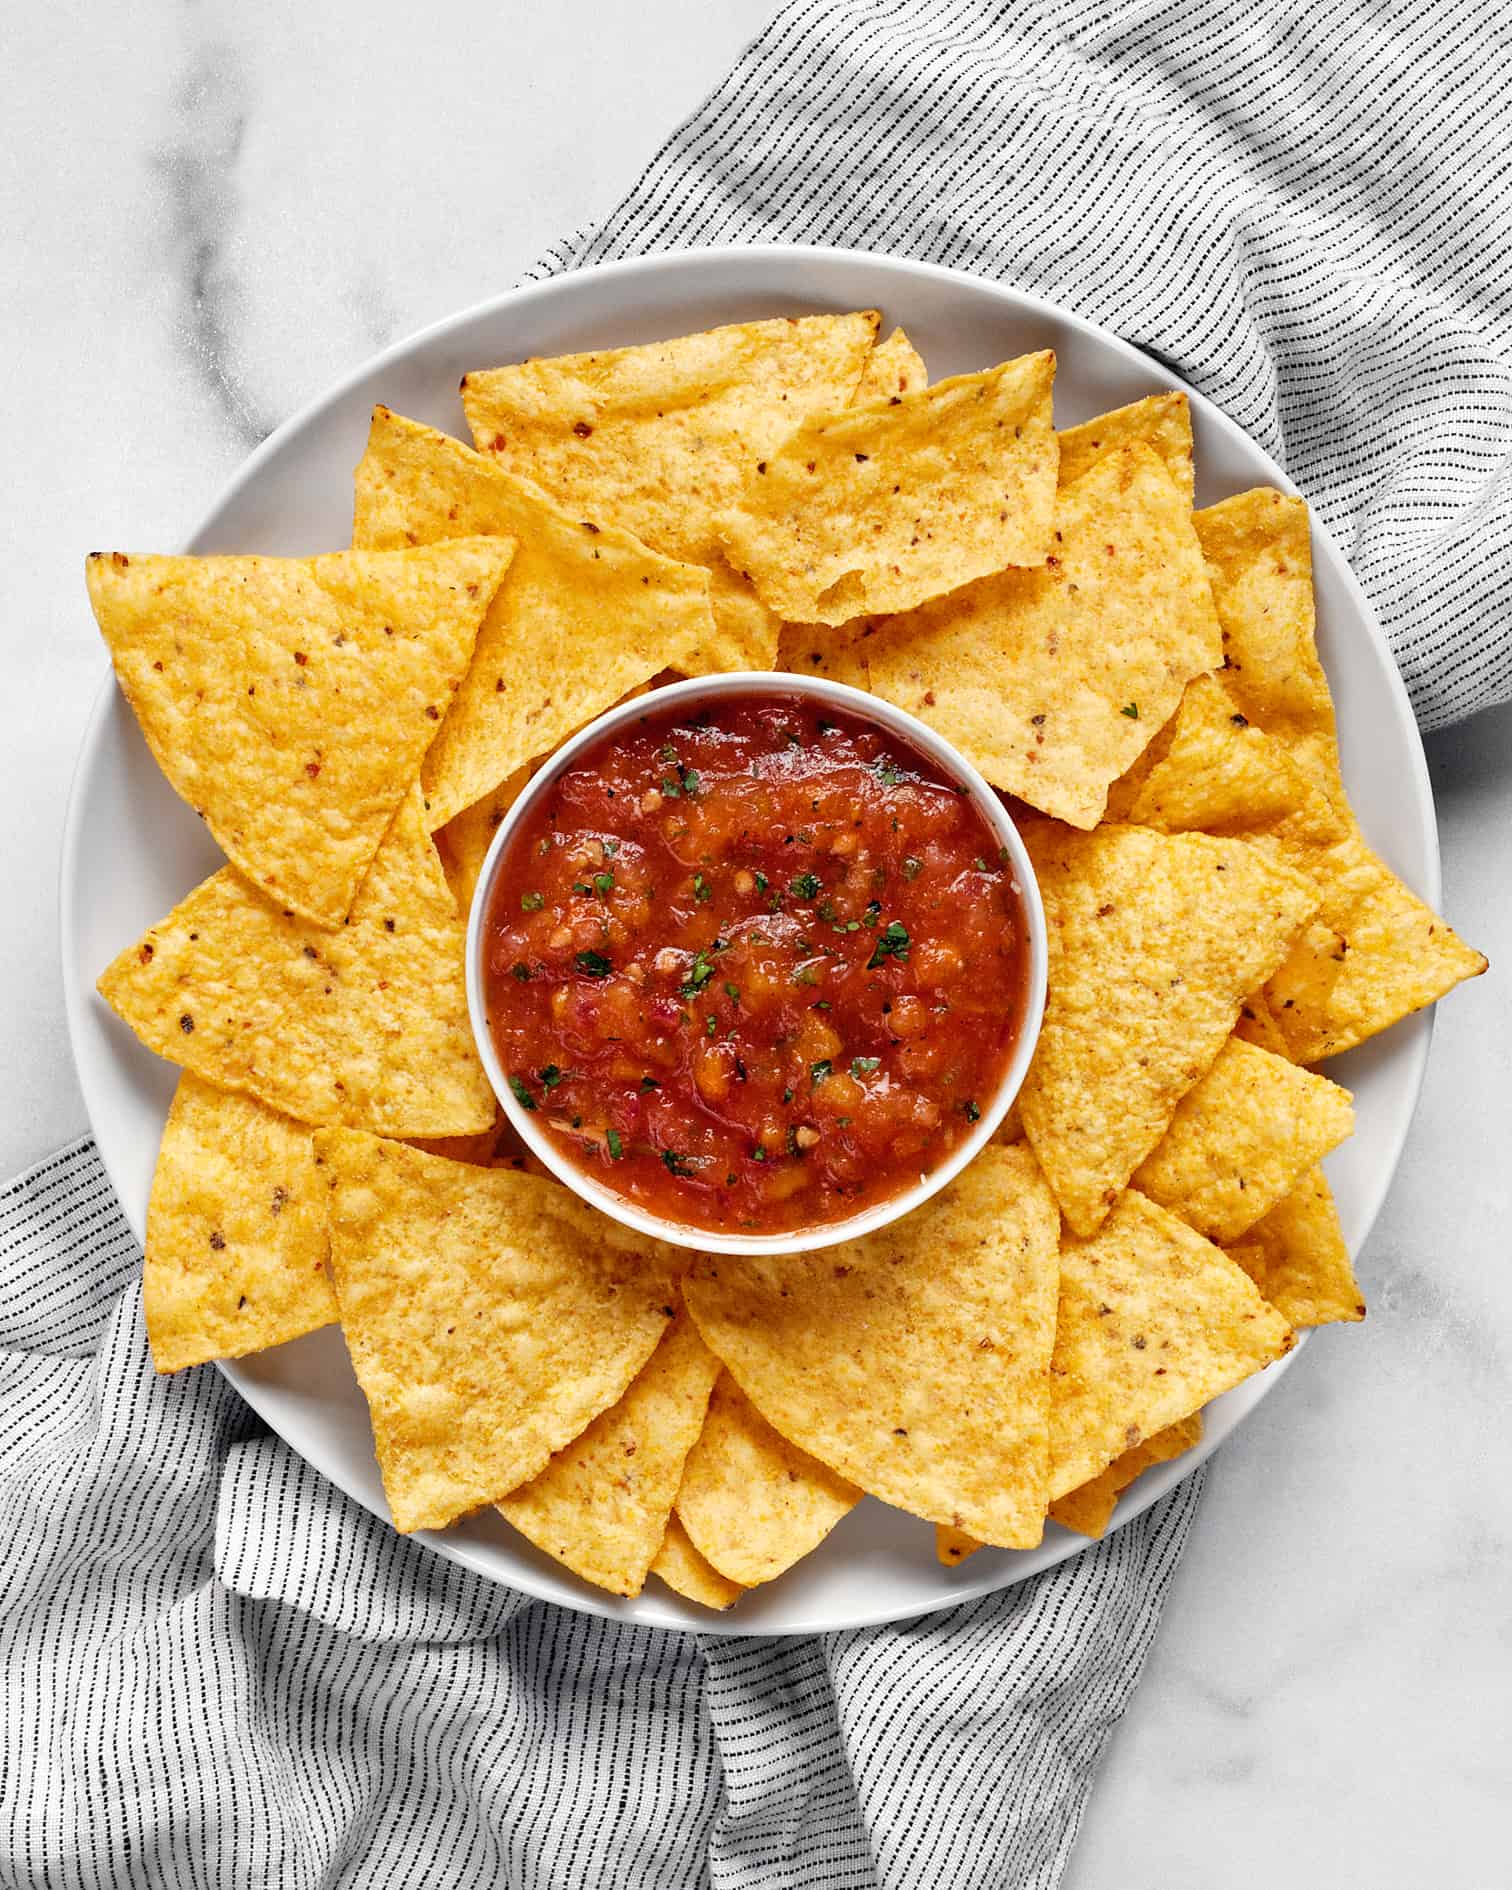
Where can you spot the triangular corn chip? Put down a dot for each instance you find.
(807, 649)
(1375, 951)
(236, 1231)
(660, 438)
(912, 1361)
(1089, 1510)
(366, 1026)
(1297, 1257)
(1257, 1024)
(1155, 942)
(1162, 422)
(290, 700)
(1154, 1322)
(584, 614)
(686, 1573)
(893, 368)
(1053, 680)
(1258, 550)
(602, 1504)
(490, 1317)
(885, 506)
(752, 1503)
(466, 837)
(1240, 1139)
(406, 879)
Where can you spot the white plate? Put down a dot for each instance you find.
(132, 849)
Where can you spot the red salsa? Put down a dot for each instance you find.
(756, 967)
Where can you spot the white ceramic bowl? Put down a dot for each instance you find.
(695, 695)
(132, 849)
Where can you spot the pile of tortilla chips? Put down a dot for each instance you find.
(1152, 1223)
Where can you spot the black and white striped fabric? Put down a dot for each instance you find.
(1304, 208)
(216, 1671)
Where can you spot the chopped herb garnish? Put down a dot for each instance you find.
(787, 1095)
(711, 1025)
(649, 1082)
(762, 881)
(550, 1076)
(912, 867)
(691, 782)
(613, 1143)
(668, 754)
(611, 847)
(892, 942)
(970, 1111)
(792, 1140)
(887, 772)
(980, 864)
(603, 884)
(521, 971)
(672, 789)
(758, 1154)
(826, 909)
(819, 1071)
(863, 1066)
(732, 992)
(699, 974)
(702, 890)
(532, 901)
(675, 1164)
(842, 1122)
(806, 974)
(822, 1005)
(521, 1094)
(872, 914)
(1130, 709)
(594, 964)
(805, 886)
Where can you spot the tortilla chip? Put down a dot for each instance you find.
(601, 1506)
(1219, 774)
(465, 839)
(912, 1361)
(236, 1231)
(365, 1027)
(813, 649)
(1053, 680)
(290, 700)
(1154, 1322)
(479, 1150)
(893, 368)
(1155, 942)
(1297, 1257)
(585, 611)
(1089, 1510)
(1258, 551)
(490, 1318)
(686, 1573)
(660, 438)
(882, 507)
(745, 631)
(1240, 1139)
(752, 1503)
(1257, 1025)
(1377, 954)
(1162, 422)
(406, 878)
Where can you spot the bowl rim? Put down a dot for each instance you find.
(858, 703)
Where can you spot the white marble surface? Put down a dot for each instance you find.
(210, 211)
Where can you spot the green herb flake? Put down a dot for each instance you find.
(702, 890)
(521, 971)
(732, 992)
(806, 974)
(690, 782)
(521, 1094)
(611, 847)
(648, 1083)
(532, 901)
(758, 1154)
(887, 772)
(603, 884)
(672, 789)
(1130, 709)
(787, 1095)
(593, 964)
(676, 1164)
(550, 1076)
(615, 1146)
(819, 1071)
(805, 886)
(891, 943)
(872, 914)
(762, 882)
(970, 1111)
(864, 1066)
(699, 974)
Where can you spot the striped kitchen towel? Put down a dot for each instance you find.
(215, 1670)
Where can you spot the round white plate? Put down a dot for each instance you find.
(132, 849)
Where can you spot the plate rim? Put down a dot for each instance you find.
(672, 1613)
